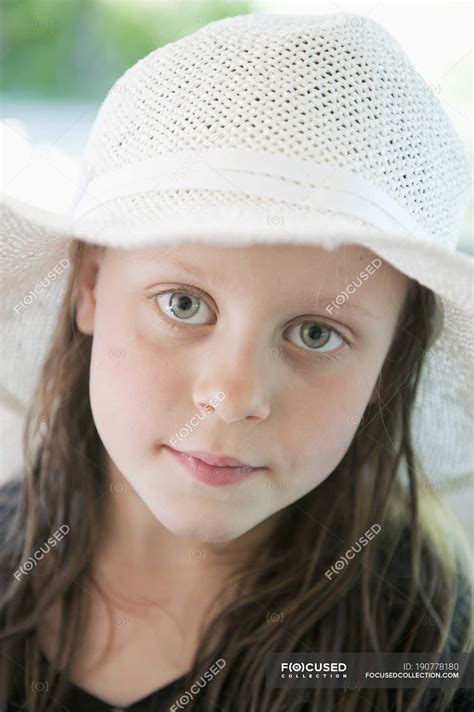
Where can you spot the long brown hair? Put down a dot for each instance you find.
(397, 595)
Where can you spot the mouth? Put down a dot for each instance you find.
(218, 460)
(230, 470)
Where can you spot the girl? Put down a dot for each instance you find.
(234, 381)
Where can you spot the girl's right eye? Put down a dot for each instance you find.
(183, 306)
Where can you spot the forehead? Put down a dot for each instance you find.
(288, 259)
(302, 269)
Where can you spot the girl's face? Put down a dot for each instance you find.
(247, 332)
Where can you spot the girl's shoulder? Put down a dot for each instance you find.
(425, 585)
(444, 577)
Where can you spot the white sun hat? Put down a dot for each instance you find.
(267, 129)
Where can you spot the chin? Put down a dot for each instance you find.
(201, 528)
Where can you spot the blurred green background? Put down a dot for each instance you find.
(77, 48)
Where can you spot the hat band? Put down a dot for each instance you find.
(287, 179)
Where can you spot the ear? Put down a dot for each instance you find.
(91, 259)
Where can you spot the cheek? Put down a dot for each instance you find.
(134, 386)
(320, 423)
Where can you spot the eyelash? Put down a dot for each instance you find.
(201, 295)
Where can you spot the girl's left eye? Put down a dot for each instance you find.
(185, 306)
(317, 337)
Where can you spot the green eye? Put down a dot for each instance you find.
(317, 337)
(182, 306)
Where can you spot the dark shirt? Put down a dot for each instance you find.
(78, 699)
(162, 699)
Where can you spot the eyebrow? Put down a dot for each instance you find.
(355, 306)
(322, 301)
(188, 268)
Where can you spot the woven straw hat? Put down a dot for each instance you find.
(268, 128)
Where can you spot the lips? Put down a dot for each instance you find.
(217, 460)
(213, 474)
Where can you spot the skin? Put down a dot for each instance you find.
(287, 406)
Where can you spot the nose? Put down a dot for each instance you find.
(241, 374)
